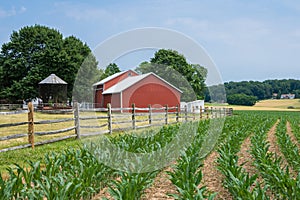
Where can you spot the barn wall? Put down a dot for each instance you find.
(98, 97)
(151, 90)
(113, 99)
(119, 78)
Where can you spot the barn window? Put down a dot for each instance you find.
(129, 73)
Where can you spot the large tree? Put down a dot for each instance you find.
(32, 54)
(173, 67)
(111, 69)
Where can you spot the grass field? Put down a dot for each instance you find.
(271, 104)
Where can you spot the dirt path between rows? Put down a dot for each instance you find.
(272, 139)
(246, 158)
(274, 147)
(292, 136)
(160, 188)
(102, 194)
(212, 178)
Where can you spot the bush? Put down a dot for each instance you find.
(241, 99)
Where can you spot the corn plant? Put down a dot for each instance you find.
(73, 174)
(269, 165)
(294, 122)
(239, 183)
(187, 174)
(130, 186)
(287, 147)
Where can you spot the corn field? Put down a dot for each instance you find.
(267, 167)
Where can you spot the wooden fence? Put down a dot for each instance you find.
(90, 122)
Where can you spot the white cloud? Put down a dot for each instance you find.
(82, 11)
(11, 12)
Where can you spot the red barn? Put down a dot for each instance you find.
(125, 88)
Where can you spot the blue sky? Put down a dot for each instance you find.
(248, 40)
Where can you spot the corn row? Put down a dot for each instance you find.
(295, 122)
(278, 178)
(131, 185)
(287, 147)
(73, 174)
(187, 174)
(239, 183)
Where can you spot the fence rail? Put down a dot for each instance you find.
(107, 120)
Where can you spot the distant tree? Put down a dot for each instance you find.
(111, 69)
(241, 99)
(86, 77)
(166, 60)
(217, 92)
(171, 76)
(262, 90)
(32, 54)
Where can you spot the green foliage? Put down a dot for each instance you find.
(111, 69)
(173, 67)
(32, 54)
(187, 174)
(71, 174)
(130, 186)
(239, 183)
(261, 90)
(241, 99)
(287, 147)
(87, 75)
(279, 179)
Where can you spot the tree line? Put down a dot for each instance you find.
(35, 52)
(248, 92)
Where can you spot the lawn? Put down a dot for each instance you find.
(4, 119)
(20, 156)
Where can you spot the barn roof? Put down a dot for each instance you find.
(110, 78)
(53, 79)
(128, 82)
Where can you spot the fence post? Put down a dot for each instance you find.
(194, 117)
(166, 114)
(224, 112)
(212, 112)
(150, 114)
(109, 118)
(200, 112)
(207, 112)
(185, 113)
(30, 125)
(77, 121)
(133, 116)
(177, 113)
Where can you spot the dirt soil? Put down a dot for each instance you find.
(246, 158)
(212, 178)
(272, 139)
(160, 188)
(274, 147)
(102, 194)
